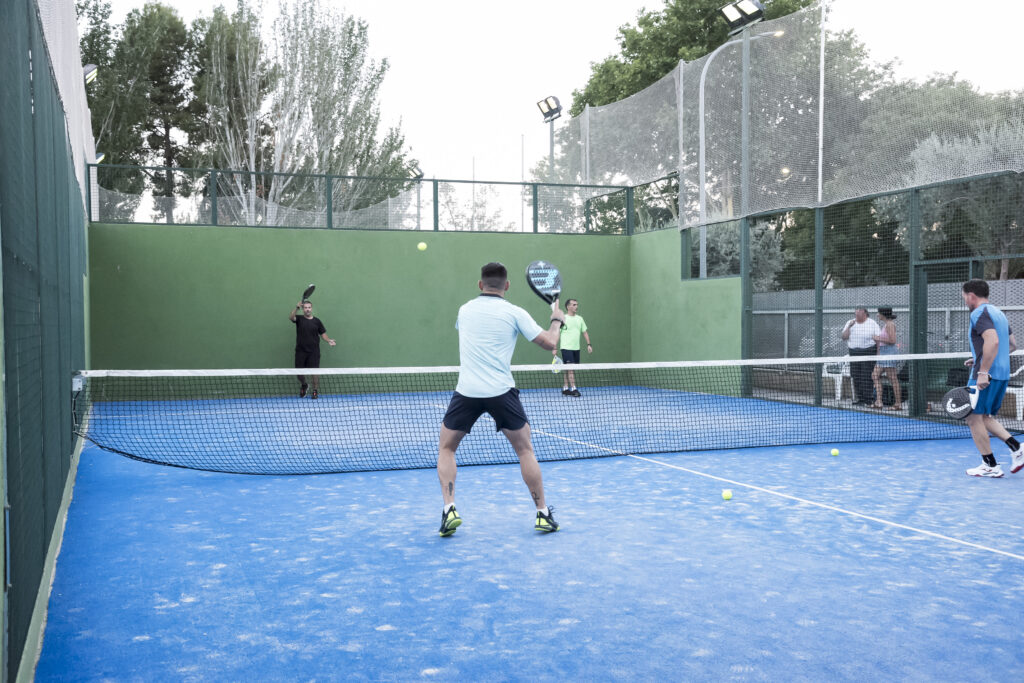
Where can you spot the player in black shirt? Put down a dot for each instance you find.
(308, 333)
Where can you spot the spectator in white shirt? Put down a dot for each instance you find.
(860, 334)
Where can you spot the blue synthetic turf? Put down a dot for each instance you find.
(399, 430)
(170, 574)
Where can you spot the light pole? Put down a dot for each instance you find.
(417, 175)
(551, 109)
(701, 157)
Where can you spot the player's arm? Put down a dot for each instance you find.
(1013, 343)
(846, 330)
(586, 336)
(327, 339)
(298, 307)
(548, 339)
(989, 349)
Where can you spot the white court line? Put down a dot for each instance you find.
(797, 499)
(834, 508)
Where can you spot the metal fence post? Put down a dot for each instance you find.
(918, 308)
(536, 209)
(330, 204)
(437, 213)
(213, 197)
(630, 219)
(819, 296)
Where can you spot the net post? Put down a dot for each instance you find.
(536, 209)
(437, 213)
(213, 196)
(918, 308)
(330, 203)
(819, 295)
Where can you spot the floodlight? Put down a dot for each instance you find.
(550, 108)
(100, 157)
(742, 13)
(417, 173)
(89, 71)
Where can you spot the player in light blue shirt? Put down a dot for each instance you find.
(488, 329)
(992, 342)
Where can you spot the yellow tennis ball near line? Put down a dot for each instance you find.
(727, 494)
(835, 451)
(422, 246)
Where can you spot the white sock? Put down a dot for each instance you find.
(543, 509)
(449, 506)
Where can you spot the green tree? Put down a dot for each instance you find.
(166, 122)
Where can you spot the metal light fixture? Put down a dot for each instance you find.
(89, 71)
(417, 172)
(100, 157)
(550, 107)
(742, 13)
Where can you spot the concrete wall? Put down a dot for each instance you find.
(676, 319)
(165, 296)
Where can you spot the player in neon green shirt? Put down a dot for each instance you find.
(569, 344)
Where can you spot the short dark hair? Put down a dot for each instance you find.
(861, 308)
(976, 286)
(569, 301)
(494, 275)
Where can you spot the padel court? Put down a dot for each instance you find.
(885, 562)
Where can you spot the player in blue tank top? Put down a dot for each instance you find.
(992, 342)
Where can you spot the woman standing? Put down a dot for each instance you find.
(887, 347)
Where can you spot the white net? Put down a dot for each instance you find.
(829, 118)
(60, 31)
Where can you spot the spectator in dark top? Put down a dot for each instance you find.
(308, 333)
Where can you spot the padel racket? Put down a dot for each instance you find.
(960, 402)
(309, 290)
(556, 365)
(545, 280)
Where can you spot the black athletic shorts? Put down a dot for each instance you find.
(307, 359)
(571, 356)
(506, 410)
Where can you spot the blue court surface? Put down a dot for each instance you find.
(884, 563)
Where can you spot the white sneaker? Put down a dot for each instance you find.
(1018, 460)
(984, 470)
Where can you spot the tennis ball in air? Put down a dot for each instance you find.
(422, 246)
(835, 451)
(727, 494)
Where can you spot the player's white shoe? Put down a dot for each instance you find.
(984, 470)
(1018, 460)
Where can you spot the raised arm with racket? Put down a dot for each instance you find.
(545, 281)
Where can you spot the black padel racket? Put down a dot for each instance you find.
(309, 290)
(545, 280)
(960, 402)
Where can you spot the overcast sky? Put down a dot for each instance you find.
(466, 74)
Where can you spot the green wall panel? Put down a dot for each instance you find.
(219, 297)
(675, 319)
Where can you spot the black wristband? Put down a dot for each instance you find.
(556, 320)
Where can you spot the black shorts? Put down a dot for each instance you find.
(307, 359)
(571, 356)
(506, 410)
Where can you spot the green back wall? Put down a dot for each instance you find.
(219, 297)
(675, 319)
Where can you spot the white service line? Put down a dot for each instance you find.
(833, 507)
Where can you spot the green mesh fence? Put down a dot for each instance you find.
(43, 238)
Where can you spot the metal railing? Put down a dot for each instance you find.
(186, 196)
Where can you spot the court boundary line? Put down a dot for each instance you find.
(826, 506)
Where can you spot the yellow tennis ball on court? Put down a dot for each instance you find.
(835, 451)
(727, 494)
(422, 246)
